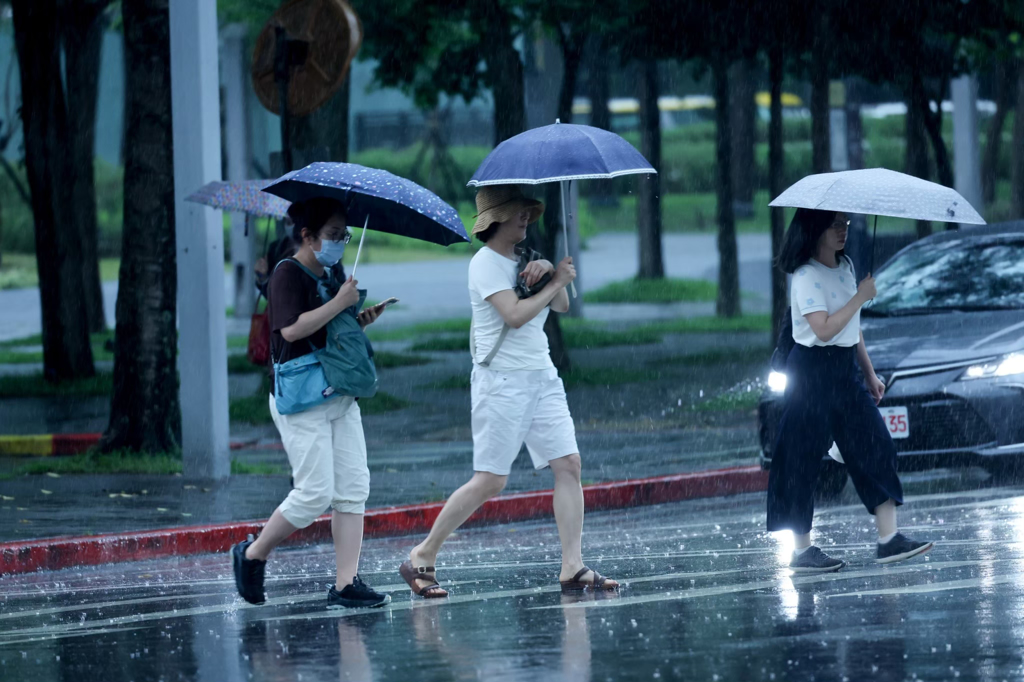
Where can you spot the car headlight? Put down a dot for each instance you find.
(777, 382)
(1006, 366)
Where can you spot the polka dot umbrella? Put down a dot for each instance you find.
(241, 197)
(376, 199)
(880, 191)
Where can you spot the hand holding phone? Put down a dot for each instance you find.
(387, 302)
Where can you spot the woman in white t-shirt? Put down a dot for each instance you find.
(826, 397)
(517, 395)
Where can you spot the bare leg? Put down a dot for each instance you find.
(459, 507)
(568, 503)
(272, 535)
(801, 540)
(347, 530)
(885, 518)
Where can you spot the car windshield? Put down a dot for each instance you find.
(954, 275)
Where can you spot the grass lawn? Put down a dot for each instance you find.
(33, 385)
(696, 325)
(730, 400)
(386, 360)
(129, 463)
(583, 335)
(19, 270)
(577, 377)
(718, 357)
(441, 337)
(666, 290)
(415, 331)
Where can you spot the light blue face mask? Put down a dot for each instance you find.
(330, 253)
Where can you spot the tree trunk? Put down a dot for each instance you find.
(728, 303)
(933, 125)
(83, 29)
(776, 184)
(917, 146)
(1017, 160)
(598, 86)
(648, 196)
(67, 353)
(1004, 77)
(744, 115)
(821, 149)
(145, 413)
(504, 70)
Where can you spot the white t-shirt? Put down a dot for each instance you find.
(525, 348)
(816, 287)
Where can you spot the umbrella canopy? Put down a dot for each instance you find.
(241, 197)
(880, 191)
(389, 203)
(559, 152)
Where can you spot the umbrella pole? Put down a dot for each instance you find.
(563, 196)
(359, 251)
(874, 233)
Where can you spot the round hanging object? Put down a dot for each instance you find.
(332, 35)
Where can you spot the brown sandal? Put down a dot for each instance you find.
(411, 574)
(597, 583)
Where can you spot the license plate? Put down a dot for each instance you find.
(897, 421)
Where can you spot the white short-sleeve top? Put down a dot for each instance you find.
(816, 287)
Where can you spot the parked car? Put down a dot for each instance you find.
(946, 336)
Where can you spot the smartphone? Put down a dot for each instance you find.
(384, 304)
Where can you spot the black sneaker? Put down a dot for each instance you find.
(355, 596)
(814, 561)
(248, 574)
(901, 548)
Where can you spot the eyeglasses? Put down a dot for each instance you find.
(841, 223)
(343, 239)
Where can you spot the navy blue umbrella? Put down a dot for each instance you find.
(561, 153)
(558, 153)
(376, 199)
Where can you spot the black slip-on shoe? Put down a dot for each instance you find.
(814, 561)
(901, 548)
(249, 574)
(355, 596)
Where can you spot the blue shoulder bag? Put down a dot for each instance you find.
(344, 367)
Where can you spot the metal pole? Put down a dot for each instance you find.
(202, 343)
(282, 74)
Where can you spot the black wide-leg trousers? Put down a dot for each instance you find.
(826, 400)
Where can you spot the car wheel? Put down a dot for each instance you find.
(831, 481)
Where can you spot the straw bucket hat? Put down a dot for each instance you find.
(498, 203)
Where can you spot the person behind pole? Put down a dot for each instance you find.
(826, 399)
(324, 443)
(517, 395)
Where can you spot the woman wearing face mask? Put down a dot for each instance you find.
(826, 399)
(324, 443)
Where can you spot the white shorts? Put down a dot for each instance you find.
(327, 452)
(510, 408)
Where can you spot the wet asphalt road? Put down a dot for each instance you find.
(706, 597)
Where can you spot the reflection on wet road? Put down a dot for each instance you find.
(705, 598)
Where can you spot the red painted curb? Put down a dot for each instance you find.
(73, 443)
(51, 554)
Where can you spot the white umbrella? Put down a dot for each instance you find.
(880, 191)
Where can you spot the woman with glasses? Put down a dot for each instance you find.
(826, 397)
(324, 443)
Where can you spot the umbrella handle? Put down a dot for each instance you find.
(562, 195)
(359, 251)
